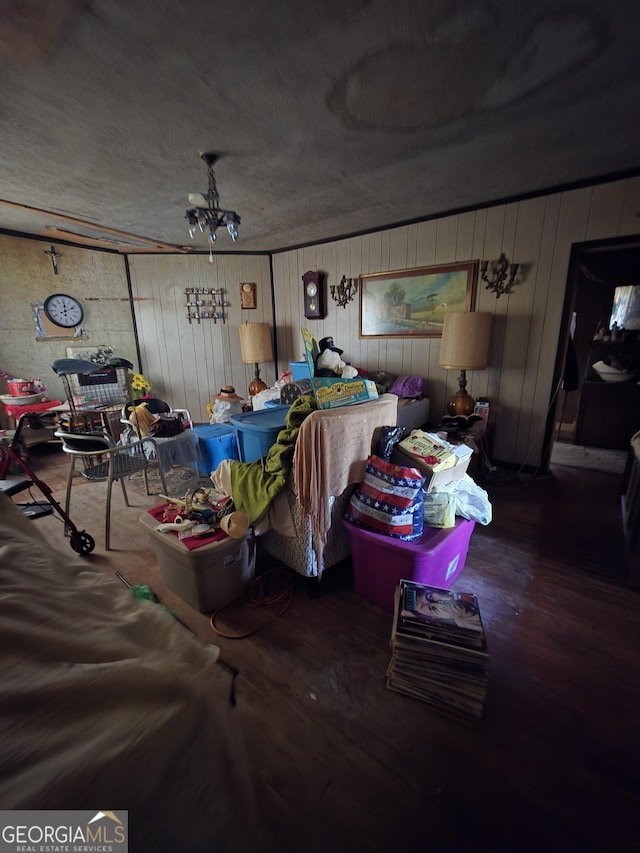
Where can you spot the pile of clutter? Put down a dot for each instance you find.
(202, 512)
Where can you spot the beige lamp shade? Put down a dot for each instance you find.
(465, 341)
(255, 343)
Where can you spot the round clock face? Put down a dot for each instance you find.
(63, 310)
(312, 288)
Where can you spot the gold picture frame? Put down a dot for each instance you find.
(412, 303)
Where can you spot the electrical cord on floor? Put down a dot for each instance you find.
(519, 477)
(274, 586)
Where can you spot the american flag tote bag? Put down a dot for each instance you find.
(390, 500)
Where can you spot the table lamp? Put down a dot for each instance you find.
(255, 345)
(464, 346)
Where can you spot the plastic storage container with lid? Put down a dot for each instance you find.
(215, 443)
(257, 431)
(299, 370)
(205, 577)
(380, 562)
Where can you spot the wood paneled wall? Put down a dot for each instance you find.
(537, 233)
(97, 279)
(187, 363)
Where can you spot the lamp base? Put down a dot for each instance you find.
(461, 404)
(257, 384)
(256, 387)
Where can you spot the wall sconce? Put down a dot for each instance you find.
(345, 291)
(255, 346)
(498, 280)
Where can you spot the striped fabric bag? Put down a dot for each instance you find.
(389, 500)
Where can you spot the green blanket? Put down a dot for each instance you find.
(255, 484)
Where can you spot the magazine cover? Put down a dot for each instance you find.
(439, 607)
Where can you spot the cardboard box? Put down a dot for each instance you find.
(433, 479)
(482, 409)
(430, 449)
(332, 393)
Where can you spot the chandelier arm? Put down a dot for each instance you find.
(214, 196)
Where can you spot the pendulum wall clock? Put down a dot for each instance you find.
(313, 283)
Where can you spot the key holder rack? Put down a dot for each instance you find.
(206, 303)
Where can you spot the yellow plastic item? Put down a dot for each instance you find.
(141, 419)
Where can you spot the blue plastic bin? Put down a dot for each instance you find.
(215, 443)
(299, 370)
(257, 431)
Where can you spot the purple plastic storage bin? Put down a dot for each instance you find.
(380, 562)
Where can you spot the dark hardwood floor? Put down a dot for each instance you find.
(340, 762)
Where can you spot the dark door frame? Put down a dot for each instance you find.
(578, 252)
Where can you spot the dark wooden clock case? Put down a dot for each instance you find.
(314, 306)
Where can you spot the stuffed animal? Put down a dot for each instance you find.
(330, 359)
(141, 419)
(349, 372)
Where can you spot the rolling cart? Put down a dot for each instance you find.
(81, 542)
(95, 394)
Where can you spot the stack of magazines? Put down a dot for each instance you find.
(439, 651)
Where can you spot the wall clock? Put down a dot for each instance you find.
(247, 294)
(313, 295)
(63, 310)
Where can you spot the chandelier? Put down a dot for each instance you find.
(206, 214)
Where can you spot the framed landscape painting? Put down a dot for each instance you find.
(412, 303)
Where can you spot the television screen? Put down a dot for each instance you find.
(626, 307)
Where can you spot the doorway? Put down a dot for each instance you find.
(591, 419)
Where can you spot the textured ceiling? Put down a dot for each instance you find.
(331, 117)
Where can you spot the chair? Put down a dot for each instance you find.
(180, 449)
(105, 461)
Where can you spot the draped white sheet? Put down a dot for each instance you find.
(106, 701)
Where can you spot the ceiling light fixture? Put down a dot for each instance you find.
(206, 213)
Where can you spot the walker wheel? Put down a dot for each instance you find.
(82, 543)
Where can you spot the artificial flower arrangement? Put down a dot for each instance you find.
(140, 384)
(102, 355)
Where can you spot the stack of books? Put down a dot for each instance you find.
(439, 650)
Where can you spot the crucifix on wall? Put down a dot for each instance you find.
(54, 258)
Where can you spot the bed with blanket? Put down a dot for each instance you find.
(106, 701)
(324, 454)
